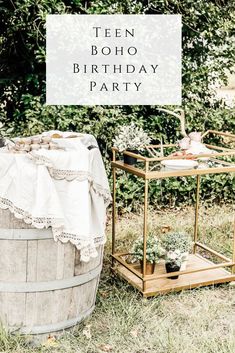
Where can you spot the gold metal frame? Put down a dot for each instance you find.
(201, 271)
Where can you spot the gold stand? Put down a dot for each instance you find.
(200, 271)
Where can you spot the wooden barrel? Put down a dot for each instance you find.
(43, 285)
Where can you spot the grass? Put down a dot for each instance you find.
(196, 321)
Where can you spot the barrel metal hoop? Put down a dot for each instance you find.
(29, 287)
(35, 330)
(25, 234)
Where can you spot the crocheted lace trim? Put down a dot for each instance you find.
(39, 159)
(87, 247)
(70, 175)
(37, 222)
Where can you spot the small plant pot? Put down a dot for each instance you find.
(128, 159)
(149, 267)
(172, 268)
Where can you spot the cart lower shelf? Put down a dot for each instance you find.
(185, 281)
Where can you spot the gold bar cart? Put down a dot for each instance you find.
(200, 271)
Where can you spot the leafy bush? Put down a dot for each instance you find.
(207, 58)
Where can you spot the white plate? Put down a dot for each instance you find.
(179, 164)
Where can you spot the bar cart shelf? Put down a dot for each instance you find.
(200, 270)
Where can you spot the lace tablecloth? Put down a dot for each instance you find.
(66, 190)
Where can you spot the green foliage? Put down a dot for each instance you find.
(208, 55)
(131, 137)
(177, 241)
(153, 249)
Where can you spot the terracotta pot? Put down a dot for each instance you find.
(149, 267)
(128, 159)
(172, 268)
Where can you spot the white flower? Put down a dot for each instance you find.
(131, 137)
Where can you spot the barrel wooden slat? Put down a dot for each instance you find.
(81, 267)
(45, 257)
(3, 307)
(86, 296)
(44, 300)
(43, 285)
(32, 249)
(30, 298)
(69, 261)
(13, 260)
(62, 299)
(60, 261)
(13, 315)
(30, 309)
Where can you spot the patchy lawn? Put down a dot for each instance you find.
(196, 321)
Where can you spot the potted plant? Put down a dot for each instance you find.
(173, 262)
(133, 139)
(153, 253)
(178, 241)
